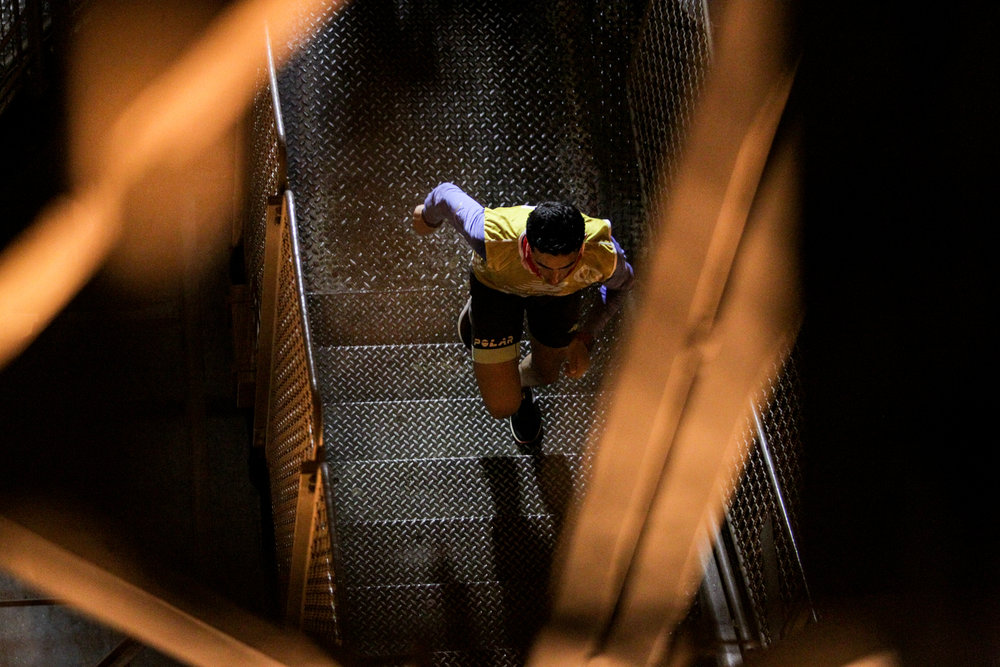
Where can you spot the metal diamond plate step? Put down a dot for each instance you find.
(447, 428)
(422, 372)
(386, 317)
(417, 489)
(394, 372)
(448, 616)
(462, 550)
(498, 657)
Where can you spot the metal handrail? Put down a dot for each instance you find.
(311, 475)
(283, 190)
(317, 402)
(782, 505)
(279, 124)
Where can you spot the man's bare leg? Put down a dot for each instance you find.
(500, 387)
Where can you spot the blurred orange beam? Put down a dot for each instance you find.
(195, 633)
(755, 325)
(182, 112)
(718, 301)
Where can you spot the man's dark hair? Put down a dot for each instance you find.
(555, 228)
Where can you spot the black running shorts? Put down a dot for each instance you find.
(498, 321)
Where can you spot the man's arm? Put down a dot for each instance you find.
(613, 293)
(447, 203)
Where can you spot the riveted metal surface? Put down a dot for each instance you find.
(444, 528)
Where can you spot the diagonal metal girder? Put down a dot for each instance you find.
(722, 275)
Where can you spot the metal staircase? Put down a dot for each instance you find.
(445, 529)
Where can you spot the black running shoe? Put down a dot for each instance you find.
(526, 423)
(465, 325)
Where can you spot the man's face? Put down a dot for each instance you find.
(554, 269)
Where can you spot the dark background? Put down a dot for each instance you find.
(120, 433)
(900, 150)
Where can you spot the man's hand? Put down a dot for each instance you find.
(420, 225)
(577, 358)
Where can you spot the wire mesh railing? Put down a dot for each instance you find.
(768, 594)
(762, 515)
(755, 592)
(665, 77)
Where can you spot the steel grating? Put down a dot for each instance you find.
(444, 529)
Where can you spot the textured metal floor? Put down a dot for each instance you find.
(446, 529)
